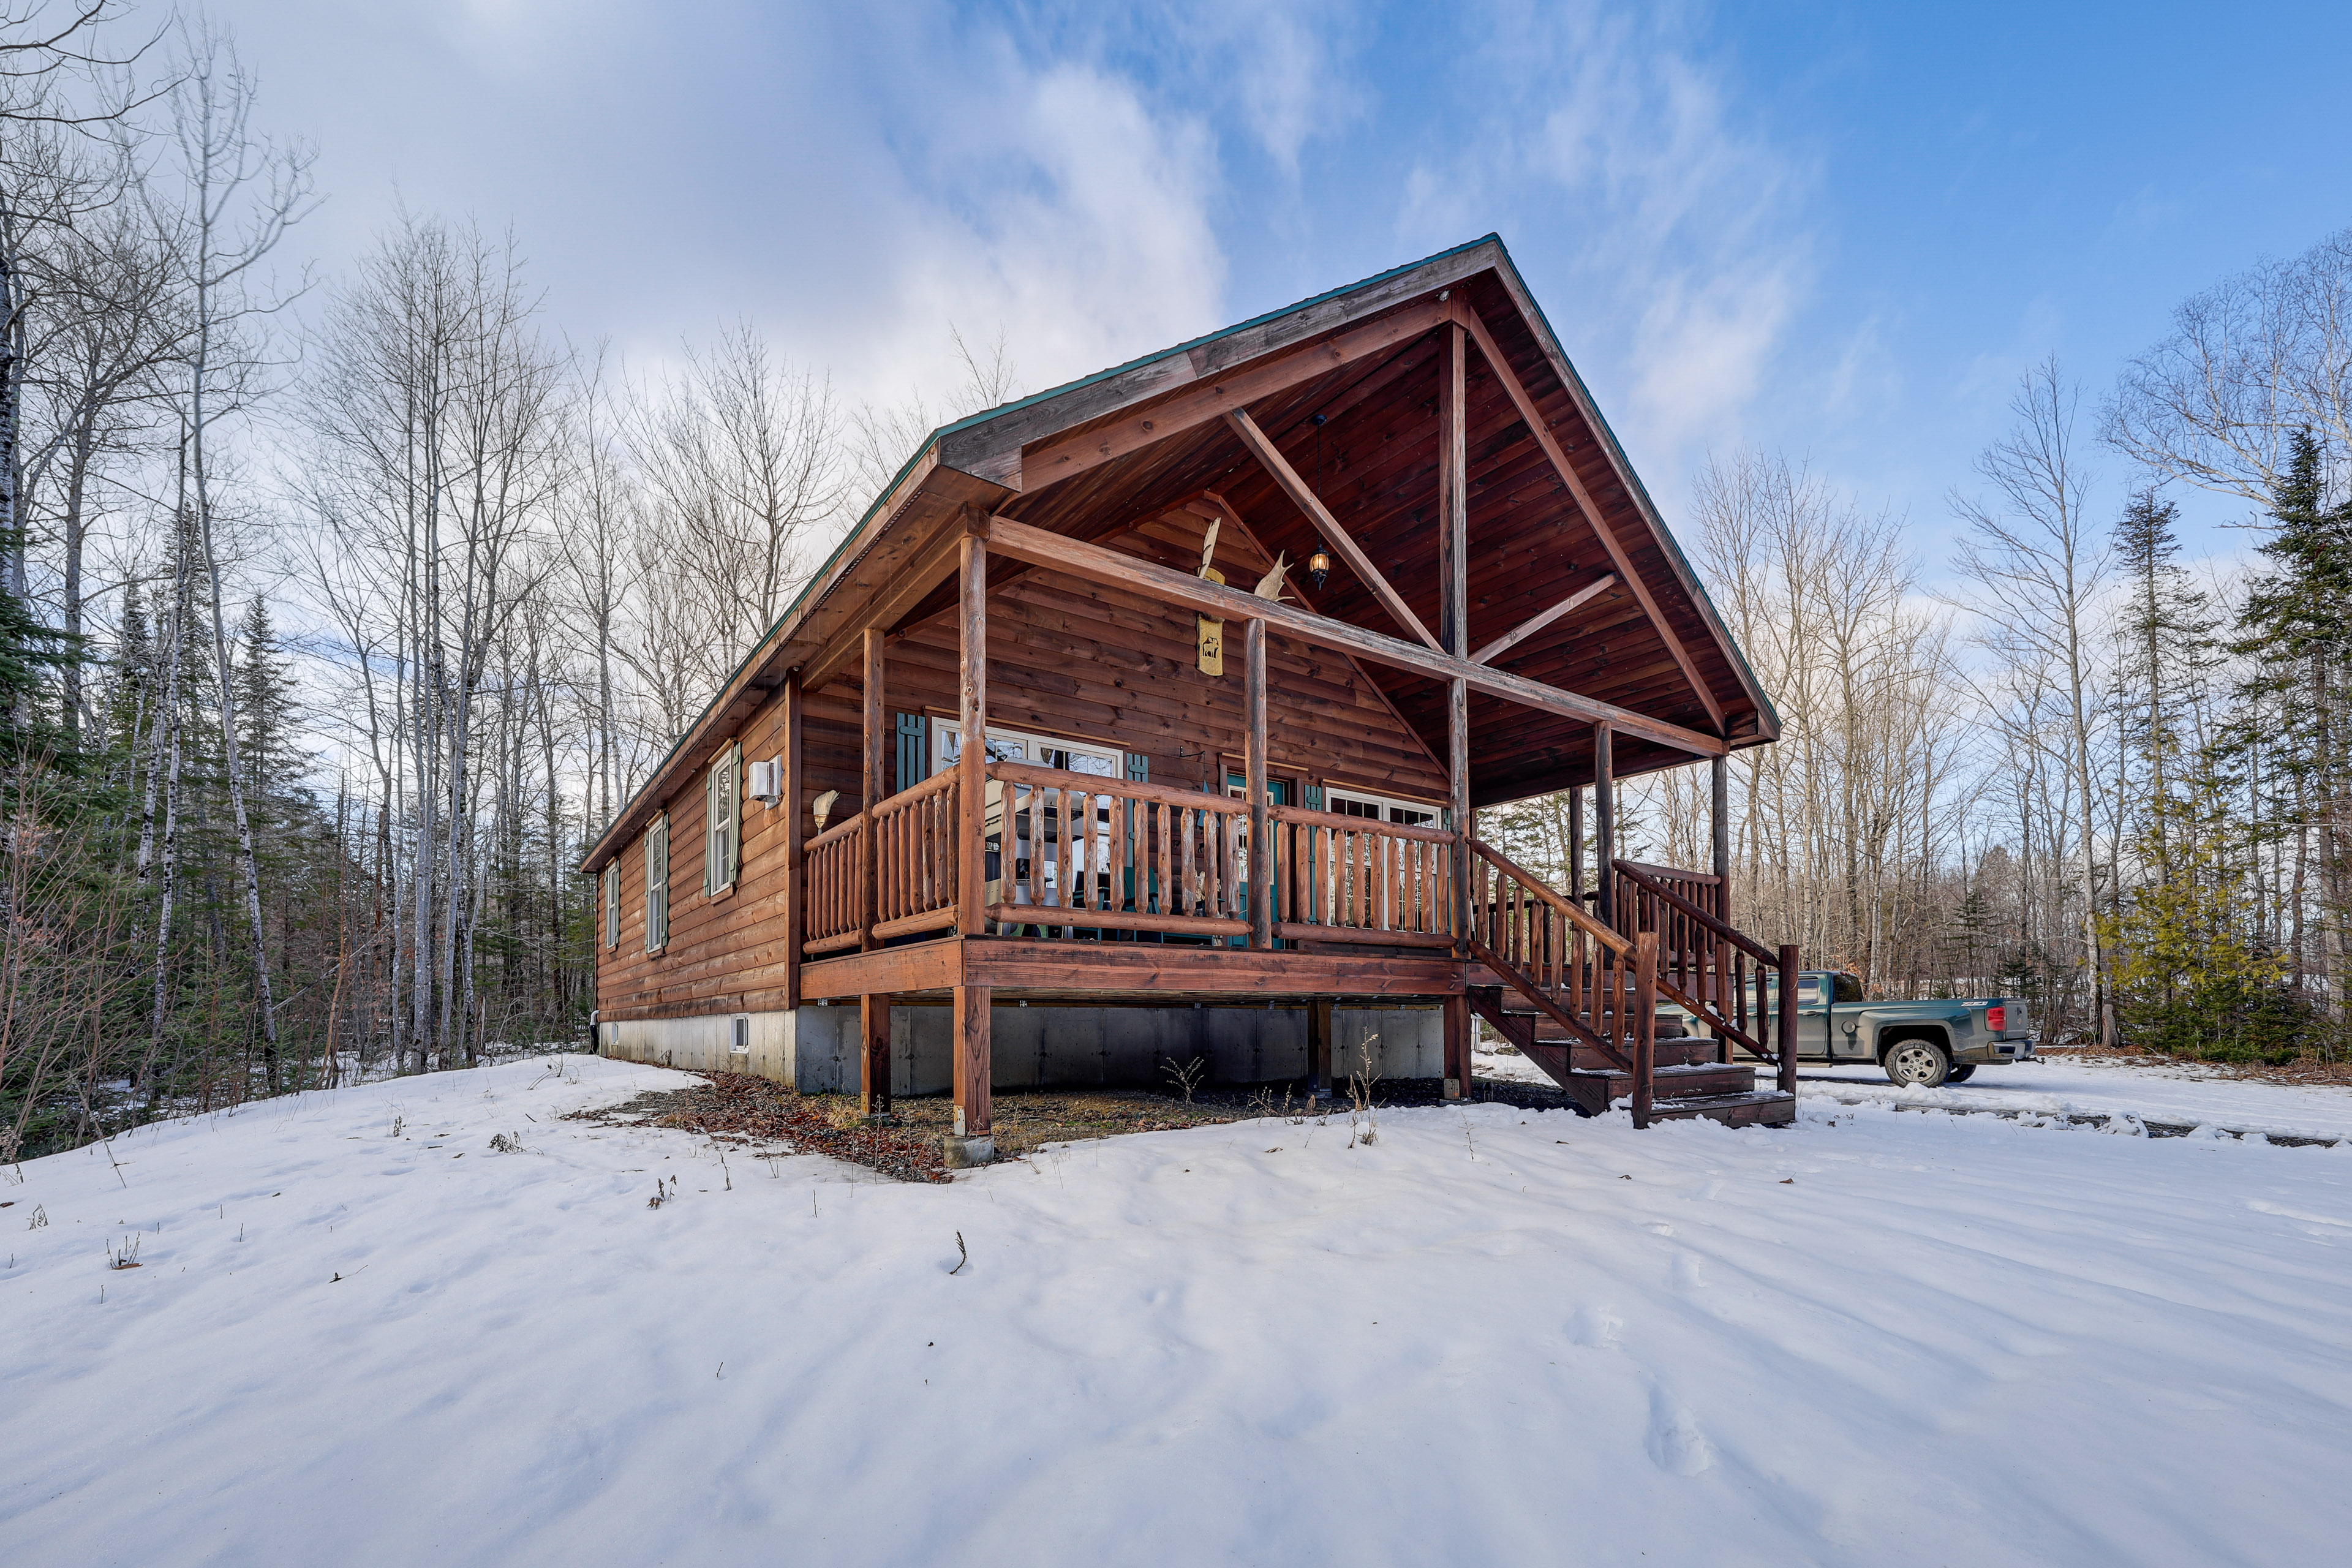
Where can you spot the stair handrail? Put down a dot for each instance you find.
(1598, 930)
(1754, 950)
(1784, 963)
(1602, 936)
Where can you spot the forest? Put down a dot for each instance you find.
(339, 612)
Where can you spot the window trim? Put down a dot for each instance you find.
(612, 903)
(729, 768)
(657, 886)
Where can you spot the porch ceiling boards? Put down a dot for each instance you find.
(1373, 462)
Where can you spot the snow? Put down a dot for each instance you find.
(2178, 1092)
(1489, 1336)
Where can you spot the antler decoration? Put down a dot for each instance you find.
(1270, 585)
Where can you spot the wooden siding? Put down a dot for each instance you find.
(1065, 658)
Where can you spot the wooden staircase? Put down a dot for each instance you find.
(1579, 996)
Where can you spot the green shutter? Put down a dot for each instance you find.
(1139, 768)
(911, 769)
(1313, 797)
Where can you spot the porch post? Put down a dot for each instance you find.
(873, 1009)
(973, 1063)
(1576, 846)
(796, 835)
(1318, 1049)
(1453, 621)
(971, 1072)
(1604, 824)
(1719, 770)
(1261, 835)
(1711, 976)
(874, 1053)
(873, 785)
(972, 720)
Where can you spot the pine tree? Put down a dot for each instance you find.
(2296, 624)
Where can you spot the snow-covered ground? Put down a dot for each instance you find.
(1492, 1336)
(2182, 1093)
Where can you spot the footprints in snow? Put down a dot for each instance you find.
(1676, 1444)
(1673, 1440)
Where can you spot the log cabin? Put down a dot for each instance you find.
(1146, 721)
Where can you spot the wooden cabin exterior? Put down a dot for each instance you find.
(1498, 611)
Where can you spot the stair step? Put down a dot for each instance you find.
(1765, 1106)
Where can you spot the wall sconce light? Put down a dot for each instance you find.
(1319, 566)
(822, 807)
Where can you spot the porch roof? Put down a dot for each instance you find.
(1343, 387)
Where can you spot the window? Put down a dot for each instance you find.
(612, 903)
(658, 884)
(1015, 746)
(1037, 836)
(1378, 807)
(722, 832)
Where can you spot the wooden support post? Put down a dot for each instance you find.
(972, 1064)
(1789, 961)
(1458, 1046)
(1643, 1034)
(1454, 629)
(1714, 976)
(1261, 825)
(971, 763)
(796, 835)
(1576, 846)
(1604, 825)
(873, 1057)
(875, 783)
(1719, 771)
(1318, 1049)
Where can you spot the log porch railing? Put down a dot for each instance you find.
(1073, 856)
(1597, 984)
(1716, 974)
(1099, 855)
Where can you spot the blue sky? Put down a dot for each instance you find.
(1833, 229)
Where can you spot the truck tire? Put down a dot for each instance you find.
(1961, 1072)
(1917, 1061)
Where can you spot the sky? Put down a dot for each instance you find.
(1838, 231)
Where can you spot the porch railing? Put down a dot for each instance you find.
(1072, 855)
(1599, 984)
(1742, 991)
(832, 867)
(1351, 878)
(915, 878)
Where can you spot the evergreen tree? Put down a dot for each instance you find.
(2297, 626)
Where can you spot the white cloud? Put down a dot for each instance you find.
(1690, 251)
(1070, 216)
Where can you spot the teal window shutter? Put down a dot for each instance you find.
(712, 848)
(1139, 768)
(911, 769)
(1313, 797)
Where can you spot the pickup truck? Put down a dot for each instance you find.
(1924, 1043)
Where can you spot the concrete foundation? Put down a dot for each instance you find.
(815, 1050)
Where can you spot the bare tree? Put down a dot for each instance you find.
(243, 193)
(2250, 361)
(2041, 565)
